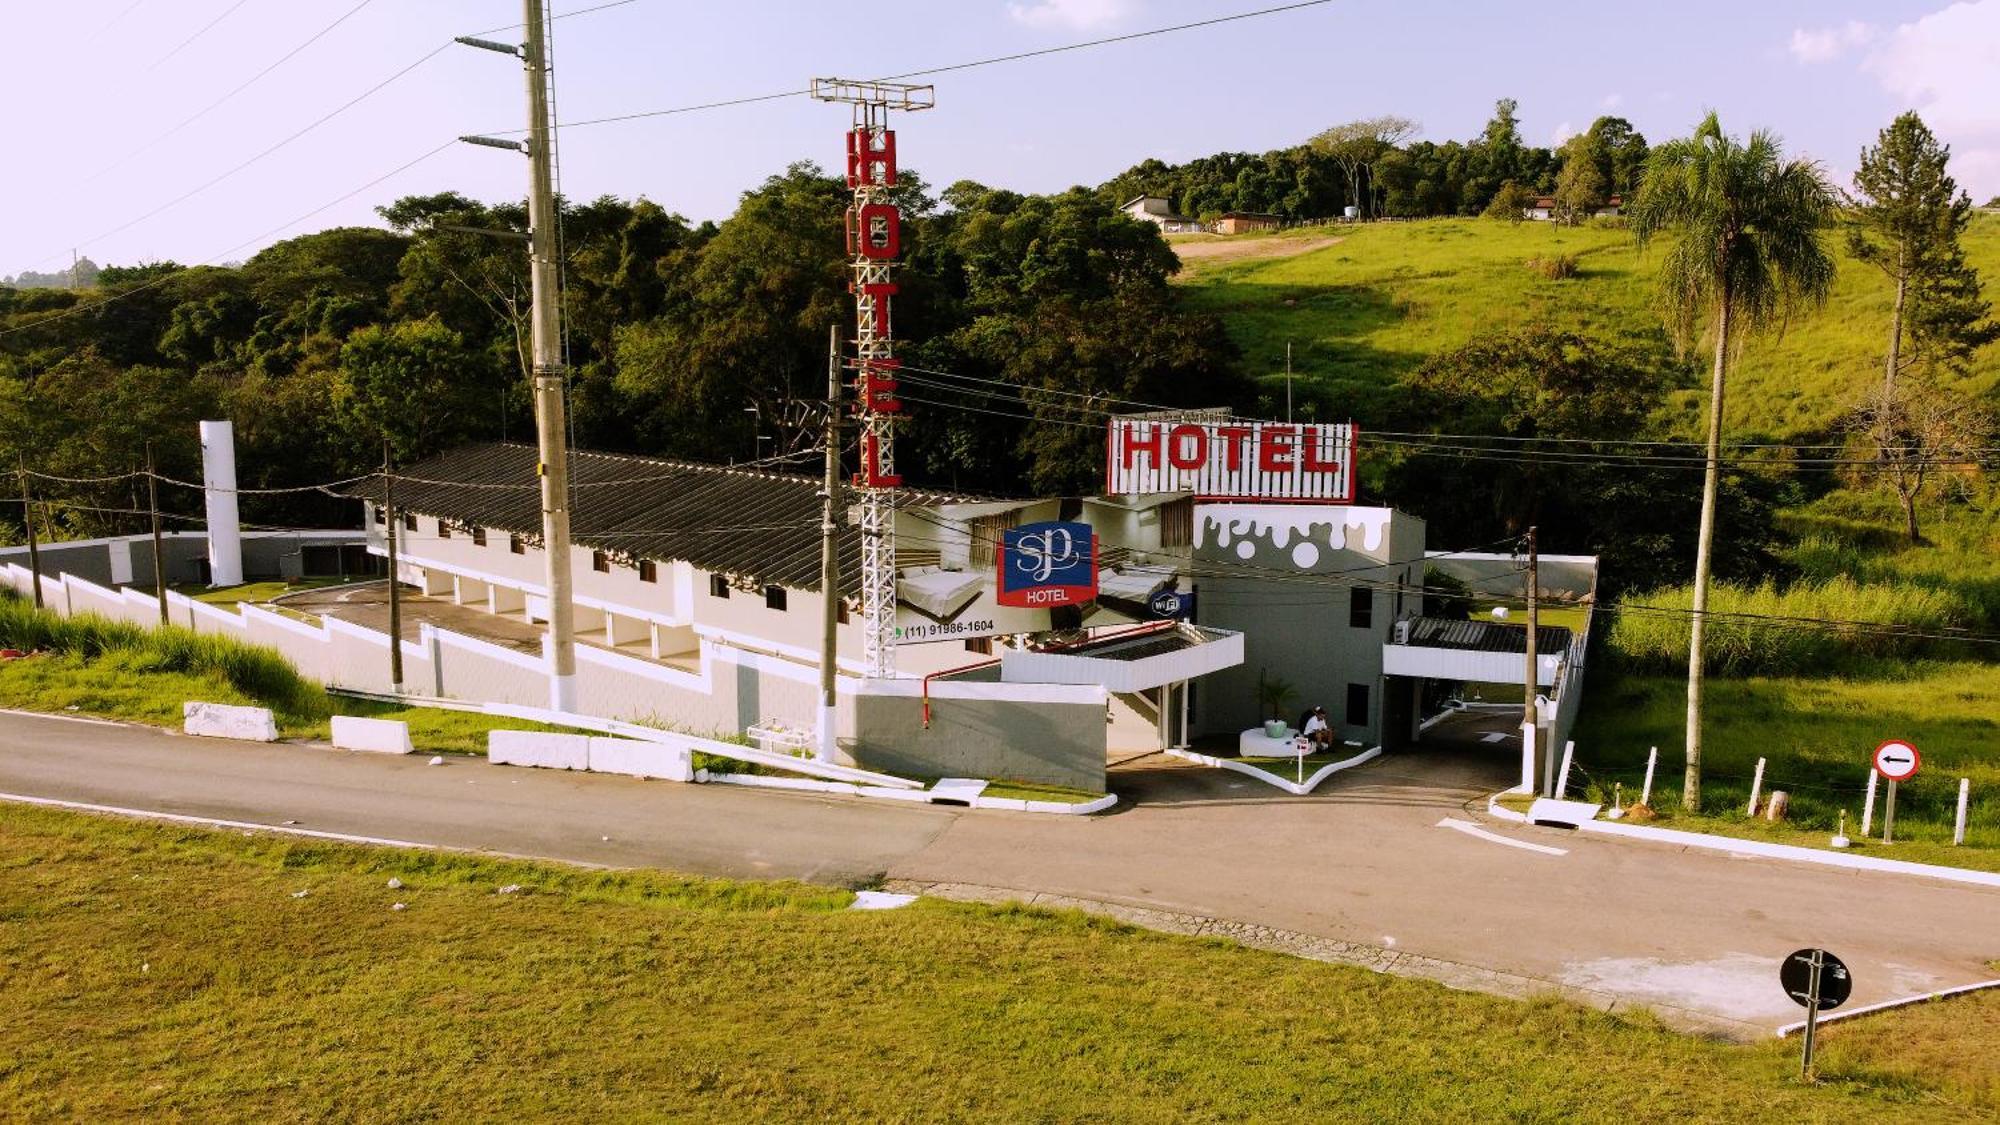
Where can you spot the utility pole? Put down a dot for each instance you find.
(1534, 589)
(389, 522)
(159, 553)
(829, 557)
(545, 323)
(28, 520)
(75, 271)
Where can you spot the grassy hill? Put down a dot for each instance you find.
(1363, 310)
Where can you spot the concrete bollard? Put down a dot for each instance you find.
(1778, 806)
(1964, 794)
(1756, 787)
(1562, 786)
(1868, 807)
(1646, 794)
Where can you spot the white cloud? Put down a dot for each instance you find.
(1946, 66)
(1562, 134)
(1612, 101)
(1072, 15)
(1825, 44)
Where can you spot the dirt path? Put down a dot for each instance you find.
(1216, 249)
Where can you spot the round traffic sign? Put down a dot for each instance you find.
(1835, 983)
(1896, 760)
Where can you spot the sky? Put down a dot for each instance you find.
(122, 151)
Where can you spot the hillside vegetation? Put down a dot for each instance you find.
(1364, 312)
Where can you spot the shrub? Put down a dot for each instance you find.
(1756, 644)
(1556, 267)
(260, 672)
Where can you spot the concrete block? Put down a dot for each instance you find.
(219, 720)
(641, 759)
(535, 748)
(382, 736)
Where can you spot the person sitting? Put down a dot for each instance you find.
(1316, 728)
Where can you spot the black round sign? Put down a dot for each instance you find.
(1835, 983)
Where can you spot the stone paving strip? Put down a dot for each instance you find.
(1314, 947)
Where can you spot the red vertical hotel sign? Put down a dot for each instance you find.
(1232, 460)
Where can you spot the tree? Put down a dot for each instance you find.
(1511, 203)
(406, 383)
(1747, 250)
(1356, 145)
(1580, 185)
(1908, 222)
(1620, 151)
(1918, 427)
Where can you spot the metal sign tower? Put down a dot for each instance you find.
(874, 242)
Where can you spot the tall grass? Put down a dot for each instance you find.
(255, 670)
(1810, 635)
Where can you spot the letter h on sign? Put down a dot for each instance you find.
(869, 165)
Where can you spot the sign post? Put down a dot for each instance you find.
(1896, 761)
(1819, 982)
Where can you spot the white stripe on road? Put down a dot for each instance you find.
(213, 822)
(1471, 829)
(1496, 736)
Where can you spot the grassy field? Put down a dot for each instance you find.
(1817, 734)
(156, 972)
(1365, 311)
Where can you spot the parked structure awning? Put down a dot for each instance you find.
(1132, 661)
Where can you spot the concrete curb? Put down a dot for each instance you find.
(1789, 852)
(1903, 1002)
(1294, 788)
(1313, 947)
(907, 796)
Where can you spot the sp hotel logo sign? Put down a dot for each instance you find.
(1043, 565)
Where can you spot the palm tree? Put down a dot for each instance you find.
(1746, 251)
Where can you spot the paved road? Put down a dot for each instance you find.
(1363, 860)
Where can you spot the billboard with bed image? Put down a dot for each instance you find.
(965, 571)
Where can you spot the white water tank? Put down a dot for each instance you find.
(218, 479)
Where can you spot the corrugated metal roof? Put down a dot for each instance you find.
(756, 524)
(1486, 636)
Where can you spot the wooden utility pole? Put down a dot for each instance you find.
(28, 521)
(159, 552)
(390, 520)
(829, 557)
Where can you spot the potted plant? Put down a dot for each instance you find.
(1274, 696)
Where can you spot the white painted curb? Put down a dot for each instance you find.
(1832, 1017)
(536, 748)
(919, 796)
(1790, 852)
(1294, 788)
(219, 720)
(380, 736)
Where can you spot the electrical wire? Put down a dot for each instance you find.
(189, 41)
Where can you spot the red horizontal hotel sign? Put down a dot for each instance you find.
(1218, 460)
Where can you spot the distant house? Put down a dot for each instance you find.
(1243, 222)
(1159, 211)
(1544, 208)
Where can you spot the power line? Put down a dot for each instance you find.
(205, 29)
(219, 102)
(970, 65)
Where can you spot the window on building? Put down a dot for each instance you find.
(1177, 523)
(774, 597)
(649, 571)
(600, 562)
(840, 612)
(718, 586)
(1357, 705)
(381, 517)
(409, 521)
(1360, 607)
(981, 645)
(479, 537)
(517, 545)
(444, 530)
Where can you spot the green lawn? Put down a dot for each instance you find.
(1365, 311)
(256, 593)
(169, 973)
(1818, 734)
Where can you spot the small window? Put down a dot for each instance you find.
(600, 562)
(1357, 705)
(718, 586)
(479, 537)
(444, 530)
(649, 571)
(774, 597)
(1360, 607)
(517, 545)
(409, 521)
(381, 517)
(981, 645)
(840, 612)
